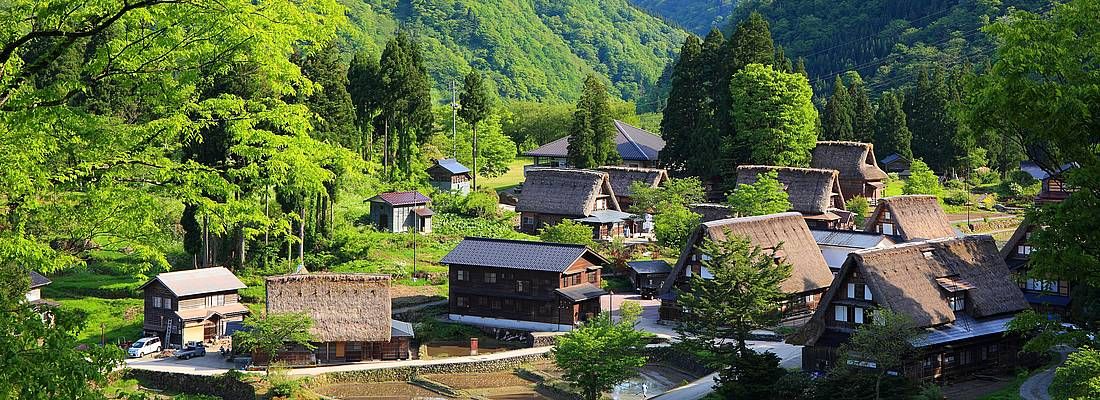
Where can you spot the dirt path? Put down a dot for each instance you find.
(1035, 387)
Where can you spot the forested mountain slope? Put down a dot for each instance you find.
(697, 16)
(533, 50)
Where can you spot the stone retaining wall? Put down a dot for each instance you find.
(407, 373)
(220, 386)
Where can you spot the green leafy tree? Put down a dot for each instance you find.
(676, 192)
(600, 354)
(272, 333)
(364, 87)
(567, 231)
(530, 124)
(763, 197)
(839, 113)
(630, 312)
(773, 116)
(1041, 92)
(672, 227)
(406, 102)
(477, 104)
(1078, 377)
(859, 207)
(592, 135)
(891, 130)
(742, 295)
(334, 112)
(682, 118)
(922, 180)
(887, 343)
(751, 43)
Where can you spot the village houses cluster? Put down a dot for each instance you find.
(906, 257)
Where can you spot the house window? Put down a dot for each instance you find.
(529, 221)
(1042, 285)
(601, 204)
(858, 315)
(957, 301)
(841, 313)
(885, 215)
(1023, 250)
(156, 302)
(851, 290)
(461, 301)
(867, 293)
(523, 286)
(168, 303)
(482, 301)
(591, 276)
(461, 275)
(886, 229)
(215, 301)
(490, 277)
(494, 304)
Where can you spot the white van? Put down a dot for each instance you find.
(144, 346)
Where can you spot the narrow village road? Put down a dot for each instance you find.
(1036, 387)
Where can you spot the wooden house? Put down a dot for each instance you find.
(648, 275)
(192, 305)
(810, 275)
(1053, 189)
(449, 176)
(859, 172)
(350, 313)
(551, 195)
(401, 211)
(636, 147)
(622, 178)
(957, 290)
(34, 294)
(895, 163)
(1048, 296)
(814, 193)
(909, 218)
(835, 245)
(525, 285)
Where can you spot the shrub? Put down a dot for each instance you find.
(481, 204)
(956, 197)
(281, 382)
(859, 206)
(567, 231)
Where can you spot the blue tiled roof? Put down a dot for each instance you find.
(632, 143)
(453, 166)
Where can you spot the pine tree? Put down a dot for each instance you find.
(364, 86)
(751, 43)
(800, 68)
(334, 113)
(406, 100)
(714, 107)
(863, 115)
(681, 118)
(782, 63)
(592, 136)
(891, 131)
(476, 104)
(838, 114)
(926, 107)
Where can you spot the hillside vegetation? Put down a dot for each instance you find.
(694, 15)
(538, 50)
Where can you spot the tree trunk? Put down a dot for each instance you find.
(205, 241)
(242, 249)
(267, 214)
(474, 170)
(302, 242)
(386, 149)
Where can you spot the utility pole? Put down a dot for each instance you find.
(416, 230)
(454, 120)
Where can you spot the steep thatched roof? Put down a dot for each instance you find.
(854, 160)
(561, 191)
(810, 190)
(710, 211)
(623, 177)
(908, 278)
(344, 307)
(808, 268)
(915, 217)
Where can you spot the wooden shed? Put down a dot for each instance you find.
(401, 211)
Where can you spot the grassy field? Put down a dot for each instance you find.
(510, 179)
(119, 319)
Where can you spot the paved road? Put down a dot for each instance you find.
(1035, 387)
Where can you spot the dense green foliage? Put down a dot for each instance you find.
(269, 334)
(476, 103)
(567, 231)
(765, 196)
(539, 50)
(887, 342)
(1079, 377)
(922, 180)
(592, 133)
(673, 226)
(695, 16)
(773, 116)
(891, 134)
(743, 295)
(600, 354)
(673, 221)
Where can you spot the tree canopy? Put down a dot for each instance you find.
(600, 354)
(762, 197)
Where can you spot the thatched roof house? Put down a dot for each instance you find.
(710, 211)
(551, 195)
(908, 218)
(344, 307)
(859, 172)
(810, 190)
(623, 177)
(1047, 296)
(787, 231)
(958, 289)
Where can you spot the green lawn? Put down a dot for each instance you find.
(510, 179)
(119, 319)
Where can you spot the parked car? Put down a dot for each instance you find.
(144, 346)
(191, 350)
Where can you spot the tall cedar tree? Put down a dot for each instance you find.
(334, 113)
(364, 86)
(742, 295)
(863, 115)
(774, 117)
(715, 104)
(751, 43)
(681, 118)
(933, 126)
(837, 124)
(891, 131)
(592, 136)
(406, 99)
(476, 103)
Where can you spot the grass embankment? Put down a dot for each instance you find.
(508, 180)
(112, 303)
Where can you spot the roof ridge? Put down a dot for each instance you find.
(618, 126)
(523, 241)
(726, 221)
(783, 168)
